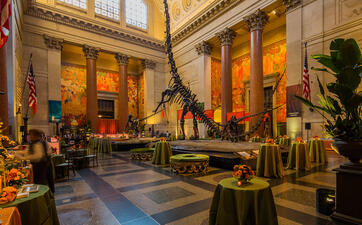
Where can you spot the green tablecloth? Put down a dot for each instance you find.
(284, 141)
(162, 153)
(269, 162)
(249, 205)
(189, 158)
(101, 145)
(37, 209)
(317, 151)
(298, 157)
(142, 150)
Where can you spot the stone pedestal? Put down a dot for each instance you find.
(348, 194)
(226, 39)
(256, 24)
(91, 55)
(123, 91)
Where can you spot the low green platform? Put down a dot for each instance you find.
(189, 163)
(144, 154)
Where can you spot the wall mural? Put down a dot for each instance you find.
(74, 96)
(274, 59)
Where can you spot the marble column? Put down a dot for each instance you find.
(294, 63)
(91, 54)
(122, 61)
(4, 114)
(226, 37)
(149, 92)
(256, 23)
(204, 50)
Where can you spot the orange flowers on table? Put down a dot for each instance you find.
(285, 136)
(316, 137)
(8, 195)
(299, 140)
(243, 173)
(162, 139)
(16, 178)
(269, 141)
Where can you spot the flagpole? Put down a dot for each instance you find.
(25, 118)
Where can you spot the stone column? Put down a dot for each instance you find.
(123, 91)
(149, 93)
(256, 22)
(226, 39)
(91, 54)
(4, 114)
(294, 60)
(204, 50)
(55, 46)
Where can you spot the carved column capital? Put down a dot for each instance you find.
(52, 42)
(90, 52)
(291, 4)
(122, 59)
(203, 48)
(226, 36)
(148, 64)
(257, 20)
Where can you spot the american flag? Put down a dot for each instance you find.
(5, 13)
(32, 90)
(306, 86)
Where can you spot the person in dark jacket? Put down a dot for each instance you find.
(39, 158)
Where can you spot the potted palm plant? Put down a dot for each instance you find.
(342, 107)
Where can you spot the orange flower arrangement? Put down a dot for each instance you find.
(269, 141)
(243, 174)
(8, 195)
(16, 178)
(162, 139)
(285, 136)
(316, 137)
(299, 140)
(77, 146)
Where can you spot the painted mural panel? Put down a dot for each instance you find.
(215, 83)
(141, 94)
(74, 96)
(132, 96)
(73, 92)
(107, 81)
(274, 60)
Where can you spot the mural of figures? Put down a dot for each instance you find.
(141, 91)
(107, 81)
(74, 96)
(274, 60)
(215, 83)
(73, 92)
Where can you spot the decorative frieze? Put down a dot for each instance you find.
(90, 52)
(122, 59)
(148, 64)
(291, 4)
(257, 20)
(52, 42)
(226, 36)
(203, 48)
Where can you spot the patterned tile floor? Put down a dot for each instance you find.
(126, 192)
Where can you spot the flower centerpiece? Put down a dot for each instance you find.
(162, 139)
(269, 141)
(77, 146)
(16, 178)
(243, 174)
(8, 195)
(299, 140)
(316, 137)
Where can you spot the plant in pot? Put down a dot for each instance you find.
(342, 107)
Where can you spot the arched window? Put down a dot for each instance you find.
(77, 3)
(136, 13)
(107, 8)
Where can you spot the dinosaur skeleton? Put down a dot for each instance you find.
(179, 93)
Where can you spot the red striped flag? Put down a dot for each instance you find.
(5, 13)
(32, 90)
(306, 86)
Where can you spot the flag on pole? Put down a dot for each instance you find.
(5, 13)
(32, 90)
(306, 86)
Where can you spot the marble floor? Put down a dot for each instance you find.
(127, 192)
